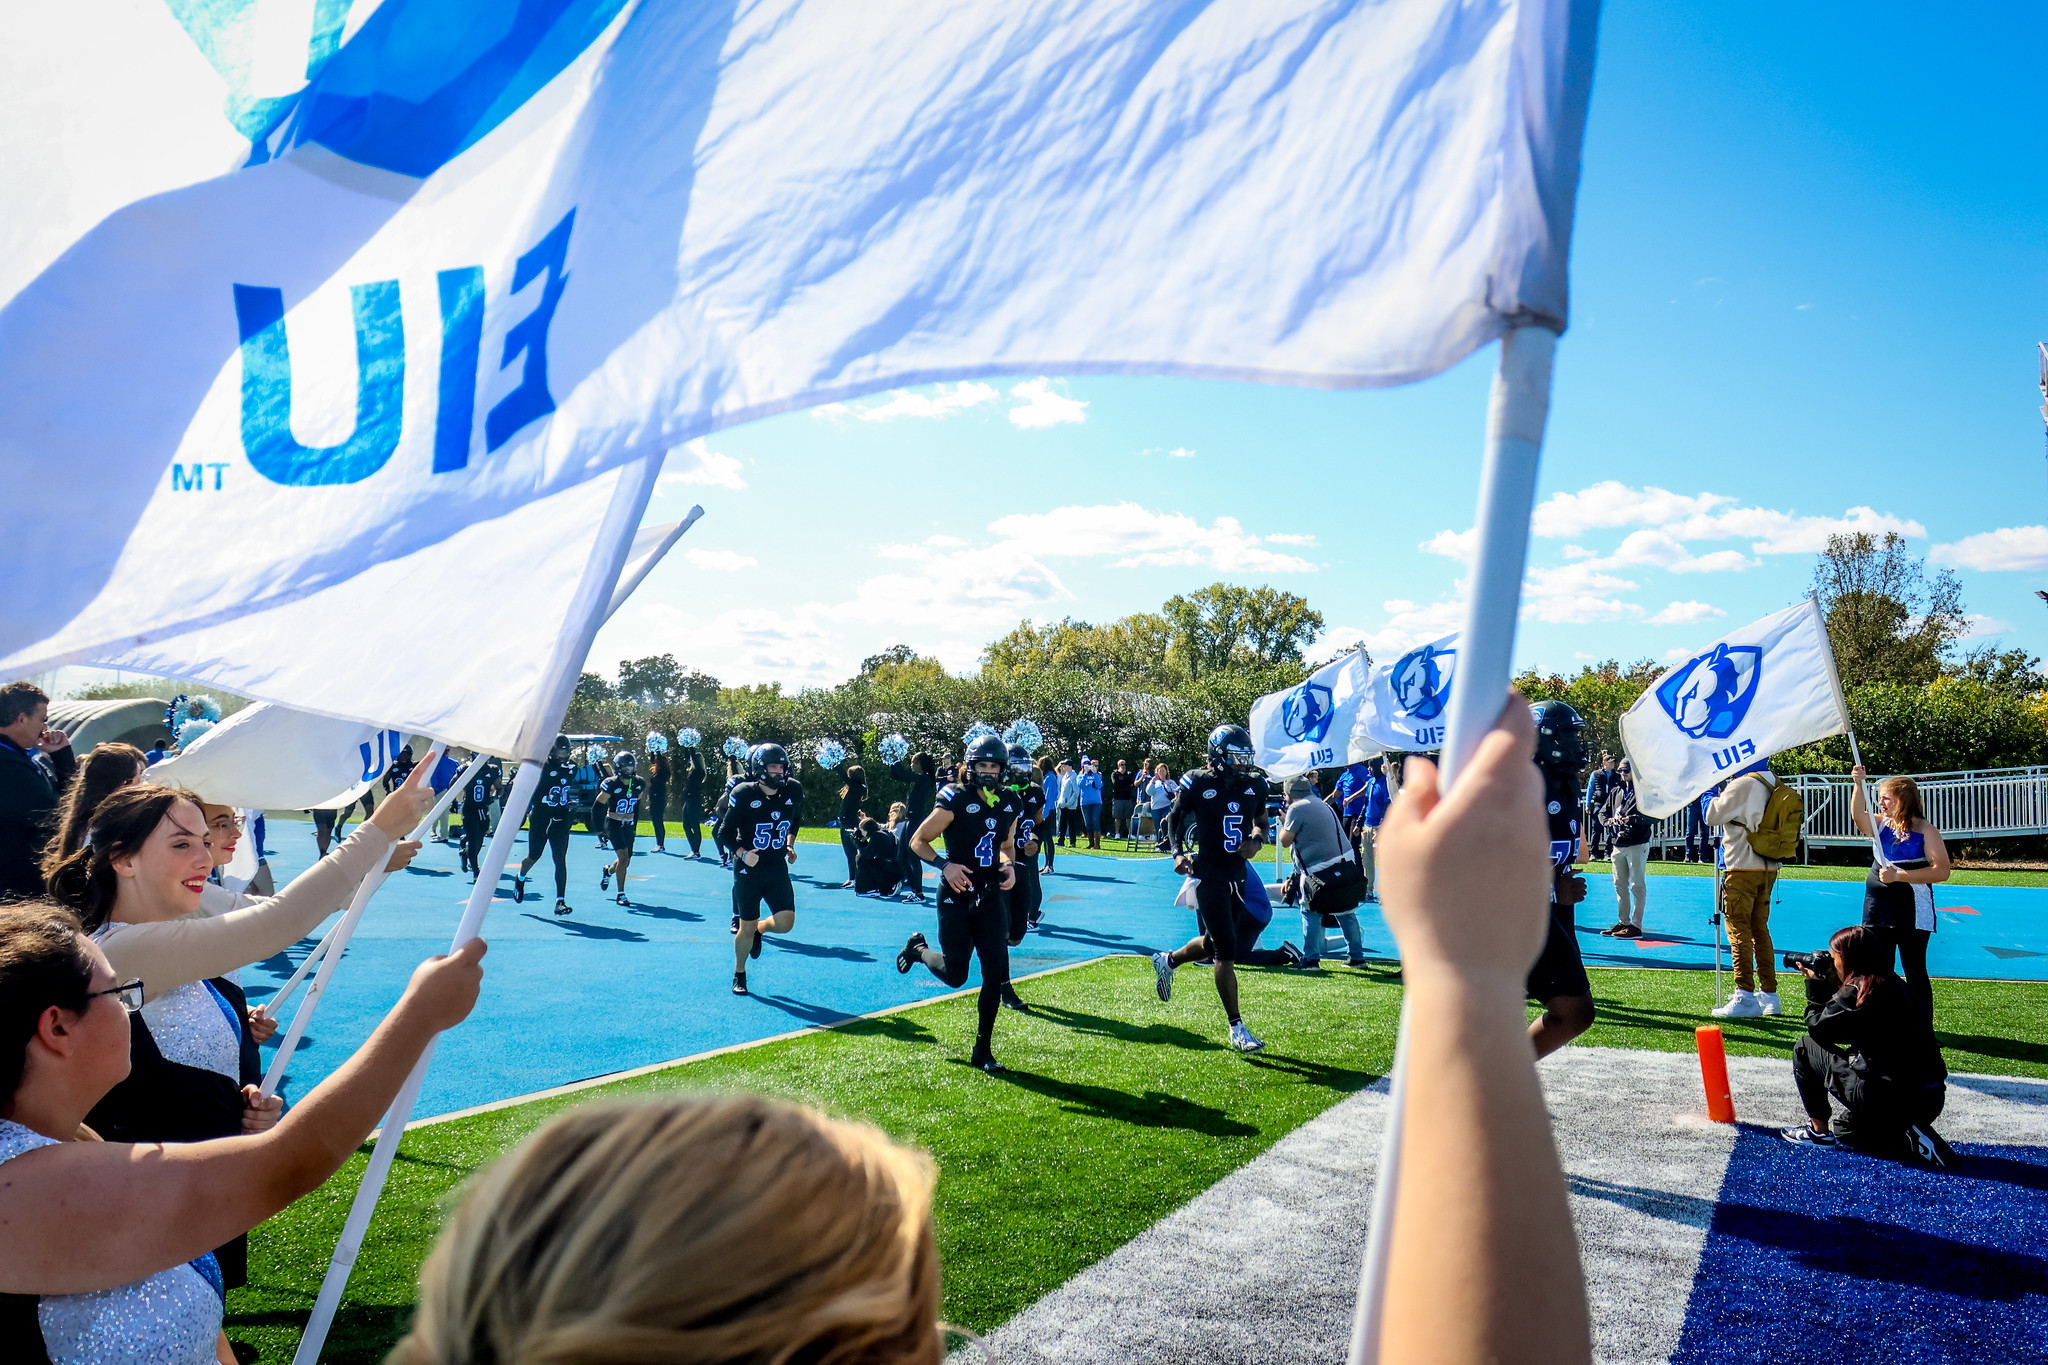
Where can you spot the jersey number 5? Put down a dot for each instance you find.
(1233, 832)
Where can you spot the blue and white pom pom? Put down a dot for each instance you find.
(203, 708)
(657, 742)
(735, 747)
(193, 730)
(976, 731)
(893, 749)
(1025, 734)
(830, 753)
(598, 753)
(688, 737)
(177, 713)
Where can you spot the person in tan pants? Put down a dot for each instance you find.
(1746, 892)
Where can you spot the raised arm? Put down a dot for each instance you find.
(82, 1216)
(1859, 807)
(1483, 1264)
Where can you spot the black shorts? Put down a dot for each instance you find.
(1559, 970)
(767, 881)
(621, 833)
(1218, 900)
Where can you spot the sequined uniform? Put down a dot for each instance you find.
(764, 819)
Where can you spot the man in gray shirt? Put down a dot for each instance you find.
(1329, 865)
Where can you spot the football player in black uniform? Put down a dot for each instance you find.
(483, 789)
(1221, 810)
(762, 816)
(1558, 980)
(619, 797)
(978, 817)
(1027, 895)
(548, 821)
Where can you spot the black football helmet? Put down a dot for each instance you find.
(1020, 766)
(987, 750)
(1560, 737)
(561, 750)
(1230, 748)
(626, 762)
(762, 757)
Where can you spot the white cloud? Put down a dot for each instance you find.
(1782, 533)
(1146, 539)
(693, 462)
(915, 553)
(1702, 516)
(2009, 547)
(987, 587)
(754, 644)
(1611, 503)
(1040, 407)
(1983, 627)
(945, 542)
(1458, 545)
(1181, 453)
(721, 561)
(1686, 614)
(1289, 538)
(937, 402)
(1408, 625)
(1659, 550)
(1576, 594)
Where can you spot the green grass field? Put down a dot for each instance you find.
(1117, 1109)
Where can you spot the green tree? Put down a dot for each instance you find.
(1600, 693)
(660, 681)
(1133, 651)
(2006, 672)
(1888, 618)
(1224, 626)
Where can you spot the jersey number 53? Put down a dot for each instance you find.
(771, 834)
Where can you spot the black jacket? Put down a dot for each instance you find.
(1888, 1038)
(923, 791)
(28, 815)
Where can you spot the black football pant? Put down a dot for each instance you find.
(657, 811)
(971, 922)
(693, 825)
(1874, 1112)
(551, 832)
(476, 828)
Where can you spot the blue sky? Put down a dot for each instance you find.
(1808, 279)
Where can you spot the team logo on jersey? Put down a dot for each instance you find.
(1233, 807)
(1708, 695)
(1307, 711)
(973, 806)
(754, 803)
(1421, 680)
(991, 823)
(1209, 795)
(1555, 808)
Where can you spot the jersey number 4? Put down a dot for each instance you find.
(985, 851)
(771, 834)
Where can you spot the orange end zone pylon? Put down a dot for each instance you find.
(1714, 1073)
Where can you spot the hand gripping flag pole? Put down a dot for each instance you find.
(328, 952)
(1507, 499)
(594, 604)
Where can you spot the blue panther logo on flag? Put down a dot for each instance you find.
(1421, 681)
(1308, 711)
(1709, 694)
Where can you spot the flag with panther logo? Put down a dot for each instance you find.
(1310, 725)
(1752, 693)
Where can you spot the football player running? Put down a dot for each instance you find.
(762, 816)
(483, 789)
(1221, 810)
(1558, 980)
(547, 829)
(619, 797)
(977, 817)
(1027, 894)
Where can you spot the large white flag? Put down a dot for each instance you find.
(289, 297)
(1407, 709)
(1308, 726)
(272, 756)
(1752, 693)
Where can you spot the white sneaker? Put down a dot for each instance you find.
(1741, 1005)
(1769, 1001)
(1241, 1038)
(1162, 970)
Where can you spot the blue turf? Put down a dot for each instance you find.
(1832, 1256)
(616, 987)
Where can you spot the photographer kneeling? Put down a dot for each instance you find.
(1868, 1047)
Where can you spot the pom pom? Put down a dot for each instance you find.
(976, 731)
(598, 753)
(657, 742)
(177, 713)
(830, 753)
(735, 747)
(203, 708)
(688, 737)
(192, 731)
(1025, 734)
(893, 749)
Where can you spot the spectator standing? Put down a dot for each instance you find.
(1163, 789)
(1598, 785)
(108, 768)
(1746, 891)
(1048, 832)
(1091, 801)
(1379, 795)
(1069, 803)
(158, 752)
(1628, 834)
(36, 764)
(850, 798)
(1123, 799)
(1702, 842)
(1898, 894)
(1330, 882)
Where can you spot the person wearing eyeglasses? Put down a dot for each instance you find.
(108, 1253)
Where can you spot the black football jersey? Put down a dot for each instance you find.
(1030, 815)
(762, 818)
(982, 824)
(483, 789)
(625, 793)
(1561, 804)
(1217, 814)
(557, 790)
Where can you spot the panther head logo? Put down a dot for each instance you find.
(1708, 695)
(1421, 680)
(1307, 712)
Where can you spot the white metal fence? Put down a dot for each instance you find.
(1983, 804)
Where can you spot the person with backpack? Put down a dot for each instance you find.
(1760, 819)
(1628, 832)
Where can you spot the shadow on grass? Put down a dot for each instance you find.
(1124, 1031)
(802, 1009)
(899, 1028)
(1152, 1109)
(1342, 1079)
(2009, 1049)
(1778, 1034)
(363, 1333)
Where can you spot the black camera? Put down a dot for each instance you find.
(1820, 964)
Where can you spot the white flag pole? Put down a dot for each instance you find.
(1827, 654)
(328, 951)
(1486, 646)
(593, 604)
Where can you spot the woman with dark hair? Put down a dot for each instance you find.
(693, 803)
(1870, 1048)
(1898, 894)
(101, 773)
(108, 1248)
(657, 798)
(879, 869)
(850, 797)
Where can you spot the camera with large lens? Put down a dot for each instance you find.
(1820, 964)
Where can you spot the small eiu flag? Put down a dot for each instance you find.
(1753, 693)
